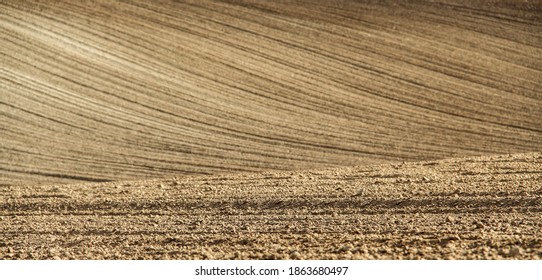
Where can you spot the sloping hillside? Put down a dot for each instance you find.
(126, 90)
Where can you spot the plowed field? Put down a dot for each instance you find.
(271, 115)
(473, 208)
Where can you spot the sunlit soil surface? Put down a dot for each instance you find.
(127, 90)
(471, 208)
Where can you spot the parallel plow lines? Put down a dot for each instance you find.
(136, 89)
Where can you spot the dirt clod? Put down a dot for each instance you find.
(515, 251)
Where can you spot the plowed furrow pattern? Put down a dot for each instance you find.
(119, 90)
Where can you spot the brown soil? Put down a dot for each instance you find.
(484, 207)
(238, 100)
(123, 90)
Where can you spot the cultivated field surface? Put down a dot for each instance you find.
(245, 129)
(472, 208)
(121, 90)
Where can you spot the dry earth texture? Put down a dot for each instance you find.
(484, 207)
(239, 99)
